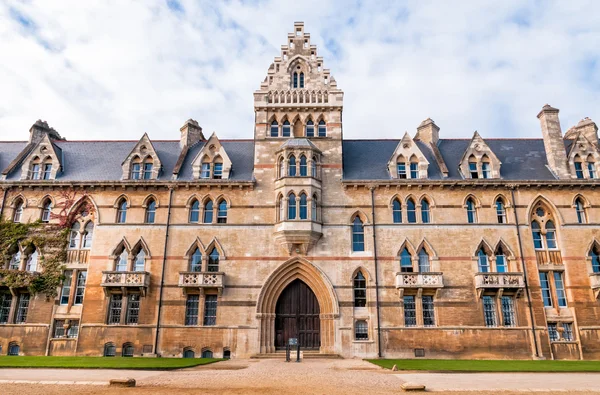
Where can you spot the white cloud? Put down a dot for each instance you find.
(114, 70)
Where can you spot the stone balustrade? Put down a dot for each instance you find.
(298, 96)
(201, 279)
(419, 280)
(114, 279)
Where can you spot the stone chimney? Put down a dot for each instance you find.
(428, 132)
(191, 133)
(556, 155)
(39, 129)
(587, 127)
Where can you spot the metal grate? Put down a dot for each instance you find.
(419, 352)
(147, 349)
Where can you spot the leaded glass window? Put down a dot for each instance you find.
(210, 310)
(213, 260)
(508, 311)
(80, 287)
(560, 289)
(489, 311)
(406, 265)
(133, 309)
(208, 212)
(66, 287)
(428, 311)
(411, 211)
(410, 311)
(397, 211)
(196, 262)
(5, 303)
(358, 235)
(424, 263)
(191, 310)
(545, 286)
(114, 309)
(361, 330)
(22, 308)
(360, 290)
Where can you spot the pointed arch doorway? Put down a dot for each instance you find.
(297, 316)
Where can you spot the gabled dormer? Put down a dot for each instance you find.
(212, 162)
(143, 162)
(479, 161)
(583, 157)
(408, 160)
(44, 161)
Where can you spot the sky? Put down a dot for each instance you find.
(115, 69)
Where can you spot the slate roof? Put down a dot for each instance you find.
(299, 143)
(9, 150)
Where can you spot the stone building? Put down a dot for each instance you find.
(407, 247)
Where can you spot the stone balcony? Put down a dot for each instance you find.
(595, 281)
(201, 280)
(125, 280)
(297, 236)
(428, 280)
(499, 281)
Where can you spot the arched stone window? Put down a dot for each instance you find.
(281, 205)
(397, 211)
(222, 212)
(322, 128)
(401, 167)
(550, 235)
(208, 212)
(314, 208)
(140, 261)
(18, 213)
(538, 241)
(486, 168)
(473, 167)
(303, 166)
(188, 353)
(281, 167)
(127, 350)
(88, 234)
(406, 265)
(15, 260)
(121, 263)
(292, 166)
(358, 235)
(205, 169)
(414, 167)
(32, 261)
(295, 80)
(207, 353)
(578, 167)
(301, 80)
(218, 168)
(360, 290)
(46, 210)
(74, 236)
(274, 129)
(471, 211)
(580, 211)
(150, 211)
(313, 167)
(501, 264)
(411, 211)
(595, 257)
(196, 261)
(195, 211)
(34, 169)
(483, 262)
(13, 349)
(424, 262)
(291, 206)
(148, 166)
(110, 350)
(501, 211)
(286, 130)
(591, 166)
(213, 260)
(425, 215)
(47, 168)
(310, 128)
(136, 168)
(303, 206)
(122, 211)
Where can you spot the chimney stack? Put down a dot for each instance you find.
(428, 132)
(554, 145)
(39, 129)
(191, 133)
(587, 127)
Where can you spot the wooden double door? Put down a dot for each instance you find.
(297, 316)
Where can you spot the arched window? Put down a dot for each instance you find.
(121, 262)
(122, 211)
(578, 167)
(313, 208)
(501, 266)
(46, 210)
(196, 261)
(580, 210)
(486, 170)
(148, 168)
(303, 206)
(32, 261)
(34, 171)
(322, 129)
(500, 211)
(188, 353)
(358, 235)
(274, 129)
(425, 217)
(127, 350)
(424, 264)
(310, 128)
(150, 211)
(286, 130)
(213, 260)
(303, 166)
(205, 170)
(13, 349)
(281, 168)
(110, 350)
(295, 80)
(226, 353)
(473, 167)
(18, 215)
(218, 168)
(222, 212)
(140, 261)
(397, 211)
(414, 169)
(301, 80)
(208, 212)
(15, 261)
(591, 166)
(313, 167)
(292, 166)
(595, 255)
(411, 211)
(361, 330)
(406, 265)
(281, 204)
(195, 211)
(360, 290)
(536, 231)
(483, 261)
(471, 211)
(74, 236)
(88, 234)
(292, 206)
(401, 168)
(47, 169)
(207, 354)
(550, 234)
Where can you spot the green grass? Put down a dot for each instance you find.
(442, 365)
(103, 362)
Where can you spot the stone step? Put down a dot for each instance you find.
(306, 355)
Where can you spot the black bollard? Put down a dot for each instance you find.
(298, 352)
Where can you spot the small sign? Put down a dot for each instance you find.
(293, 341)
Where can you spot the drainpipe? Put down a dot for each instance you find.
(512, 193)
(376, 273)
(162, 277)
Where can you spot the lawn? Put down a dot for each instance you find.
(442, 365)
(102, 362)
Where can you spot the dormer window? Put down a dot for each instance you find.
(205, 170)
(212, 161)
(473, 167)
(414, 170)
(591, 166)
(46, 171)
(578, 168)
(401, 167)
(218, 170)
(486, 169)
(35, 171)
(148, 169)
(136, 168)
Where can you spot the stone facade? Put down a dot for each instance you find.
(232, 223)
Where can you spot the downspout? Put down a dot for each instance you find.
(376, 273)
(512, 193)
(162, 277)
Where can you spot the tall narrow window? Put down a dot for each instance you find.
(122, 211)
(133, 309)
(147, 170)
(500, 261)
(406, 265)
(195, 211)
(411, 211)
(88, 234)
(301, 80)
(35, 171)
(18, 214)
(313, 208)
(32, 261)
(222, 212)
(46, 171)
(208, 212)
(397, 211)
(361, 330)
(218, 171)
(121, 264)
(580, 210)
(205, 172)
(550, 234)
(360, 290)
(310, 128)
(595, 255)
(140, 261)
(545, 286)
(281, 168)
(486, 170)
(428, 311)
(295, 80)
(401, 168)
(5, 303)
(46, 210)
(150, 211)
(274, 129)
(191, 309)
(358, 235)
(578, 169)
(473, 168)
(303, 166)
(536, 231)
(210, 310)
(136, 168)
(196, 261)
(114, 309)
(15, 261)
(303, 206)
(424, 263)
(286, 130)
(22, 308)
(483, 261)
(553, 332)
(489, 311)
(591, 166)
(291, 206)
(500, 211)
(508, 311)
(471, 211)
(313, 167)
(281, 209)
(74, 236)
(66, 287)
(213, 260)
(425, 218)
(414, 170)
(410, 311)
(292, 166)
(80, 287)
(568, 332)
(560, 289)
(322, 129)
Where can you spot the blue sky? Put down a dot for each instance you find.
(116, 69)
